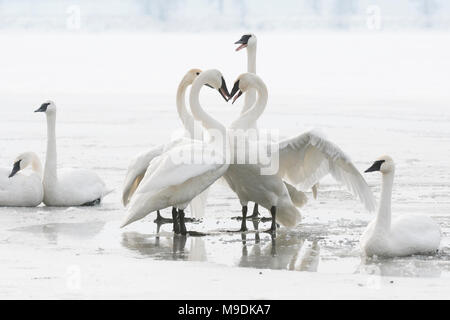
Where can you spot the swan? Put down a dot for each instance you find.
(192, 130)
(404, 235)
(303, 159)
(67, 187)
(22, 190)
(171, 183)
(250, 42)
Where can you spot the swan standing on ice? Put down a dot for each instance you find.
(404, 235)
(250, 42)
(169, 182)
(303, 159)
(67, 188)
(138, 166)
(22, 190)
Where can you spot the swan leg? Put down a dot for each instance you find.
(255, 213)
(160, 219)
(182, 222)
(176, 225)
(244, 219)
(273, 226)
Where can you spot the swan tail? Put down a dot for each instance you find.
(198, 205)
(138, 209)
(107, 192)
(288, 216)
(299, 198)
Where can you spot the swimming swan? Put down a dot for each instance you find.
(303, 159)
(138, 165)
(22, 190)
(65, 188)
(404, 235)
(171, 182)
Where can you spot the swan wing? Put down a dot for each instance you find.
(172, 168)
(305, 159)
(136, 171)
(171, 179)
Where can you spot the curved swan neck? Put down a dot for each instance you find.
(250, 95)
(198, 112)
(186, 118)
(253, 114)
(383, 220)
(50, 159)
(36, 165)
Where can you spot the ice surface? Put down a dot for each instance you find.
(372, 94)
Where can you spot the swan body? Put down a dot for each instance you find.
(303, 159)
(402, 236)
(67, 187)
(18, 189)
(171, 181)
(138, 165)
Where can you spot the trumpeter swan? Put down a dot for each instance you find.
(192, 130)
(64, 188)
(22, 190)
(303, 159)
(171, 182)
(404, 235)
(250, 42)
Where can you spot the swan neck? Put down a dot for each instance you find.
(250, 95)
(251, 59)
(200, 114)
(384, 212)
(253, 114)
(185, 117)
(50, 159)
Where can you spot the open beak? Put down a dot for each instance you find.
(234, 90)
(243, 41)
(223, 90)
(15, 169)
(242, 46)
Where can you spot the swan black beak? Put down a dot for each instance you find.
(223, 90)
(42, 108)
(376, 166)
(234, 90)
(243, 41)
(16, 168)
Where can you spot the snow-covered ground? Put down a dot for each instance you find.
(372, 94)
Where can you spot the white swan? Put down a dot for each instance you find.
(404, 235)
(171, 182)
(140, 163)
(64, 188)
(22, 190)
(250, 42)
(303, 159)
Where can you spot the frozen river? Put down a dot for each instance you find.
(372, 94)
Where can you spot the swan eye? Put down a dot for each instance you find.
(197, 73)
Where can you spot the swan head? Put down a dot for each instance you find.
(214, 79)
(47, 107)
(21, 162)
(244, 82)
(191, 75)
(384, 164)
(246, 41)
